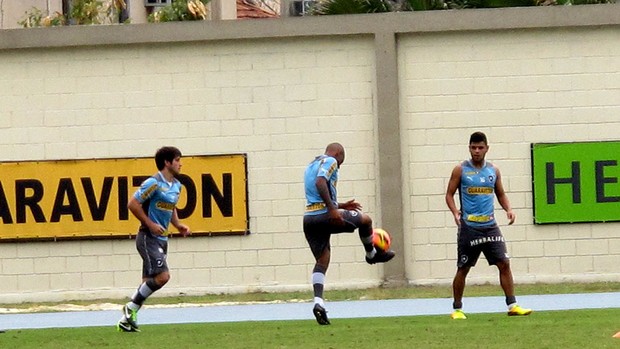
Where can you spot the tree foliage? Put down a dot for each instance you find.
(352, 7)
(81, 12)
(181, 10)
(339, 7)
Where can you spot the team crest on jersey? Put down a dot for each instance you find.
(491, 178)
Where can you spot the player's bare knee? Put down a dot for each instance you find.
(323, 262)
(162, 279)
(504, 265)
(463, 271)
(318, 268)
(366, 220)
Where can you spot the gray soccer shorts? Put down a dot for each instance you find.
(153, 252)
(318, 229)
(472, 241)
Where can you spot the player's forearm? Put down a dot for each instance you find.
(504, 203)
(136, 209)
(451, 204)
(175, 219)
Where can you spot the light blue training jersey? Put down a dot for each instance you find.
(159, 198)
(322, 166)
(477, 191)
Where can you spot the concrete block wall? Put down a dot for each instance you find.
(519, 87)
(280, 91)
(279, 102)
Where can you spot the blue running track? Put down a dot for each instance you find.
(303, 311)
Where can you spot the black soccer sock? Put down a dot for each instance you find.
(511, 300)
(318, 287)
(365, 233)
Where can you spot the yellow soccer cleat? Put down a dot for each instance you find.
(458, 314)
(518, 311)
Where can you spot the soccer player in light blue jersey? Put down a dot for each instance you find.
(154, 204)
(478, 183)
(325, 216)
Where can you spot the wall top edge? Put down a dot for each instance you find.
(299, 27)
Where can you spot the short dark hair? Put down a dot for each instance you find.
(478, 137)
(166, 154)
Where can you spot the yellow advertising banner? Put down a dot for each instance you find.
(43, 200)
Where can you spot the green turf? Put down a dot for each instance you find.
(552, 329)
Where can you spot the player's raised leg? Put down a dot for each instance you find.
(374, 252)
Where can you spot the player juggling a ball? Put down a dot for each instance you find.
(325, 216)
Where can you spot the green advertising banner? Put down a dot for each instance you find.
(576, 182)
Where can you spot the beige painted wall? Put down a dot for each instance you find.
(279, 91)
(279, 102)
(519, 87)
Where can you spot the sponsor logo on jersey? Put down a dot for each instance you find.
(166, 206)
(480, 190)
(479, 219)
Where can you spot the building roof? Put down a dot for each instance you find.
(255, 9)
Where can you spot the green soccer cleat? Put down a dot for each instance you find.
(131, 316)
(123, 326)
(458, 314)
(518, 311)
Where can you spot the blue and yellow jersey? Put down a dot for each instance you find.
(477, 193)
(159, 198)
(322, 166)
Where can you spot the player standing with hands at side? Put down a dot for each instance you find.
(154, 204)
(324, 216)
(477, 182)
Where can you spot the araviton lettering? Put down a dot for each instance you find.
(88, 198)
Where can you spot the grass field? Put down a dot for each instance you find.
(548, 329)
(553, 330)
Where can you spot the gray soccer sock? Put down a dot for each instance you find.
(143, 292)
